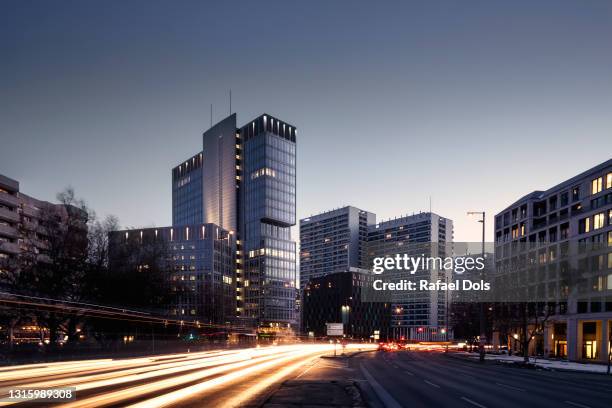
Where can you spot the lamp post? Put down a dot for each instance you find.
(481, 311)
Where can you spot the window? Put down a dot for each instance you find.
(609, 180)
(596, 185)
(598, 221)
(584, 225)
(576, 193)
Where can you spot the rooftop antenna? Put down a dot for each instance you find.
(430, 204)
(230, 95)
(211, 115)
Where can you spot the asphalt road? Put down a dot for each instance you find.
(221, 378)
(247, 377)
(432, 379)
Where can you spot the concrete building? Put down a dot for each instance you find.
(22, 229)
(243, 180)
(424, 234)
(333, 241)
(199, 264)
(567, 227)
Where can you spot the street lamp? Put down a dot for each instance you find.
(481, 312)
(345, 309)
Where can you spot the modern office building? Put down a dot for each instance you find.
(566, 229)
(243, 180)
(333, 241)
(336, 298)
(424, 234)
(197, 260)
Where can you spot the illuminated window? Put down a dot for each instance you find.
(609, 180)
(596, 185)
(598, 221)
(584, 225)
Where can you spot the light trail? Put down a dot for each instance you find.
(164, 380)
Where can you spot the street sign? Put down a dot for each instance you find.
(335, 329)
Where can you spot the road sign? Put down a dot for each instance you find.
(335, 329)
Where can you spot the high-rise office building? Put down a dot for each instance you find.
(333, 241)
(546, 236)
(424, 234)
(243, 180)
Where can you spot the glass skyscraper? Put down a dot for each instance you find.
(267, 212)
(244, 181)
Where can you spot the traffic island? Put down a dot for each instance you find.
(314, 393)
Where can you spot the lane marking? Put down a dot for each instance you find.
(386, 398)
(308, 369)
(408, 372)
(432, 384)
(510, 387)
(576, 404)
(473, 402)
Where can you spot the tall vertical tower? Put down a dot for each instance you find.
(423, 234)
(267, 212)
(333, 241)
(244, 181)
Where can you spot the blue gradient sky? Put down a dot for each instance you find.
(474, 103)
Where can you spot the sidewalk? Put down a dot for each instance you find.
(542, 363)
(328, 382)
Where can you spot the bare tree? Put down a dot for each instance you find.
(531, 319)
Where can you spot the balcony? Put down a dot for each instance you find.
(9, 200)
(29, 211)
(8, 215)
(8, 231)
(9, 247)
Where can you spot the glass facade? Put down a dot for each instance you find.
(187, 192)
(198, 263)
(268, 212)
(244, 181)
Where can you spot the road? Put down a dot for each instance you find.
(229, 378)
(214, 378)
(432, 379)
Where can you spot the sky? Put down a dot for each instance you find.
(471, 103)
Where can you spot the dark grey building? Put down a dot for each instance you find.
(333, 241)
(244, 181)
(336, 298)
(546, 233)
(424, 234)
(198, 262)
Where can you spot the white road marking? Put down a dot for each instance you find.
(307, 370)
(386, 398)
(432, 384)
(408, 372)
(510, 387)
(473, 402)
(576, 404)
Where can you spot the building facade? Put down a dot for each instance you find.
(424, 234)
(565, 228)
(333, 241)
(24, 229)
(336, 298)
(198, 263)
(243, 180)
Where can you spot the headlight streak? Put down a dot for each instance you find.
(188, 374)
